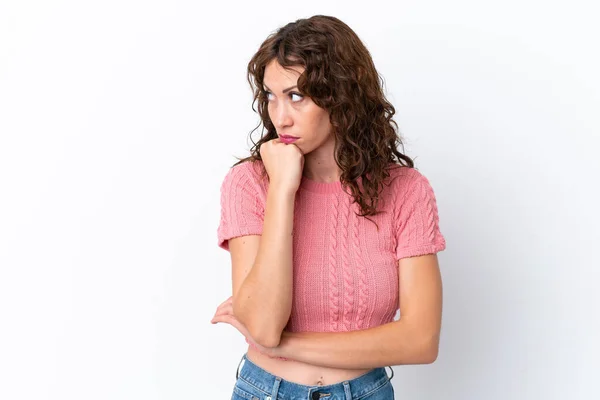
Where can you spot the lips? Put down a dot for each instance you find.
(288, 139)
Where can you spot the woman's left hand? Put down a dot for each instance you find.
(224, 313)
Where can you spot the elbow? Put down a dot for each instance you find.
(269, 341)
(429, 350)
(430, 355)
(265, 338)
(262, 332)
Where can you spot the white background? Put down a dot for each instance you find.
(119, 120)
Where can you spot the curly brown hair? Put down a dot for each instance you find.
(341, 78)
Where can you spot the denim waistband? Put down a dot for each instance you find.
(274, 386)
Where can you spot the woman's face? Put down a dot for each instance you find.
(292, 113)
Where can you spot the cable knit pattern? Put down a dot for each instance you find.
(345, 269)
(242, 206)
(418, 221)
(363, 292)
(334, 295)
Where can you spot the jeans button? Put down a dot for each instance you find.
(315, 396)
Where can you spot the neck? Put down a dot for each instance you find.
(320, 166)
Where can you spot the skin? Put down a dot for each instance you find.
(296, 115)
(324, 358)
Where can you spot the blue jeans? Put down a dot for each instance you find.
(254, 383)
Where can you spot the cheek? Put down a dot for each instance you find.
(322, 126)
(318, 123)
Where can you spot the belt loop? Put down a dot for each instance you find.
(347, 390)
(275, 390)
(392, 369)
(237, 372)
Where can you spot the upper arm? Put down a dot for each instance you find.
(420, 286)
(241, 222)
(416, 218)
(243, 252)
(242, 206)
(418, 239)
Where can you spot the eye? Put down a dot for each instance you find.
(267, 93)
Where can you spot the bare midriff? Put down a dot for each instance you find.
(302, 373)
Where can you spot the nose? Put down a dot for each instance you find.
(282, 117)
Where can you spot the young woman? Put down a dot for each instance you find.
(330, 228)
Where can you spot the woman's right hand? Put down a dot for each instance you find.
(284, 164)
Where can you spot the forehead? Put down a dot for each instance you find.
(276, 74)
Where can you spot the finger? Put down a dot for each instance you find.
(226, 303)
(221, 315)
(224, 318)
(219, 318)
(227, 310)
(301, 152)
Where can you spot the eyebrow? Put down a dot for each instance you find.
(284, 90)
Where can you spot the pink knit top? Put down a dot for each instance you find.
(345, 270)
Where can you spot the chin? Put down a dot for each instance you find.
(305, 148)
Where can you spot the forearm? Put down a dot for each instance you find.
(394, 343)
(264, 301)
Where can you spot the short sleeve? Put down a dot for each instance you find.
(242, 212)
(417, 220)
